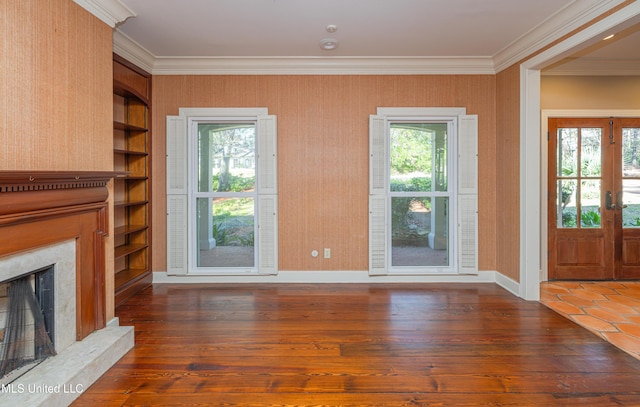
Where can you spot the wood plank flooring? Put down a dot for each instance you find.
(358, 345)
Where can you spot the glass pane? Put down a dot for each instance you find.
(591, 155)
(631, 198)
(567, 152)
(566, 205)
(590, 204)
(226, 232)
(226, 157)
(419, 228)
(630, 170)
(630, 152)
(418, 157)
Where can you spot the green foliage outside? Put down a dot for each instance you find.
(233, 222)
(422, 184)
(411, 165)
(236, 183)
(410, 151)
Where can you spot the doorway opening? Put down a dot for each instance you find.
(593, 198)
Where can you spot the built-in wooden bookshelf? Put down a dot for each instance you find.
(132, 190)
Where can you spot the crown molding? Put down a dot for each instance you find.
(132, 51)
(137, 54)
(321, 66)
(576, 14)
(111, 12)
(563, 22)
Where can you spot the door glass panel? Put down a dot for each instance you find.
(419, 228)
(631, 152)
(591, 153)
(631, 177)
(567, 152)
(579, 168)
(631, 198)
(590, 204)
(566, 205)
(230, 223)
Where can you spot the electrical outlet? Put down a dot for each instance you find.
(327, 253)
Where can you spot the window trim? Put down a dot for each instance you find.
(465, 195)
(193, 196)
(451, 123)
(180, 226)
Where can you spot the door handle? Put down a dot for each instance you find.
(608, 201)
(618, 203)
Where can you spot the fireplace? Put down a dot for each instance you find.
(58, 220)
(55, 260)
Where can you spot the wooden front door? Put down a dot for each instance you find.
(594, 198)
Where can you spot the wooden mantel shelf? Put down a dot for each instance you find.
(16, 181)
(23, 192)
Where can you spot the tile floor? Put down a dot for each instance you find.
(608, 309)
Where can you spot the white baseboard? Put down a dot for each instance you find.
(508, 284)
(359, 276)
(362, 277)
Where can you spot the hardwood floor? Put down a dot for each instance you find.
(358, 345)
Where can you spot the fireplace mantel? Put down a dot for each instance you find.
(27, 191)
(40, 208)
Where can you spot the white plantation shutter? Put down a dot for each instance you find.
(177, 235)
(378, 235)
(268, 234)
(468, 194)
(378, 145)
(267, 195)
(267, 160)
(177, 187)
(177, 155)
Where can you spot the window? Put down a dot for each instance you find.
(423, 205)
(221, 192)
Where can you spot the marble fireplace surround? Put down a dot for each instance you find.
(60, 218)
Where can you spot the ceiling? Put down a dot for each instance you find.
(478, 36)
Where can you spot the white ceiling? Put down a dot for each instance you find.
(482, 35)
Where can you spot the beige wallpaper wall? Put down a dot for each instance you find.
(323, 152)
(590, 92)
(56, 87)
(56, 93)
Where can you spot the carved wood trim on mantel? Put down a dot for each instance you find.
(20, 181)
(30, 191)
(38, 208)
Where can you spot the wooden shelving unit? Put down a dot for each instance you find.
(132, 192)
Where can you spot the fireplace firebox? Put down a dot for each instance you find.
(27, 322)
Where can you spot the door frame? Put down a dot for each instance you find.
(544, 165)
(533, 143)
